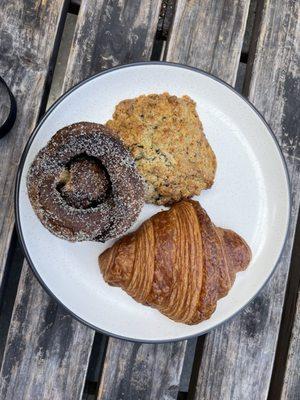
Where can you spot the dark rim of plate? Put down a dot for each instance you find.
(12, 114)
(20, 170)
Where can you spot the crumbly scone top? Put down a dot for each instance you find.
(166, 139)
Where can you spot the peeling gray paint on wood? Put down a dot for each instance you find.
(28, 32)
(209, 35)
(291, 385)
(43, 356)
(141, 371)
(123, 32)
(153, 371)
(238, 357)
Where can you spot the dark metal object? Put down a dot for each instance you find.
(10, 120)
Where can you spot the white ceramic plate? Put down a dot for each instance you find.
(250, 196)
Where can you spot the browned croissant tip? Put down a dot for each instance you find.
(178, 262)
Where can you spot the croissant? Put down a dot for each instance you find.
(178, 262)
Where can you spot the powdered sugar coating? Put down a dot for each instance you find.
(84, 183)
(109, 218)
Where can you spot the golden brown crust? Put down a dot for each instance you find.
(213, 263)
(178, 262)
(166, 139)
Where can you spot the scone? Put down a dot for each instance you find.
(166, 139)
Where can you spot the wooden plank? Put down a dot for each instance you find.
(209, 35)
(27, 46)
(44, 356)
(47, 352)
(291, 385)
(124, 32)
(238, 357)
(141, 371)
(153, 371)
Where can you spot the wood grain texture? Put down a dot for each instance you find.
(208, 35)
(153, 371)
(291, 385)
(47, 351)
(238, 356)
(123, 32)
(27, 39)
(141, 371)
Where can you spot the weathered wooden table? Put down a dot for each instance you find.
(45, 353)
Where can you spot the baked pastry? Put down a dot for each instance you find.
(178, 262)
(83, 185)
(166, 139)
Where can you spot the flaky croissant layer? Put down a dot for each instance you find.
(178, 262)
